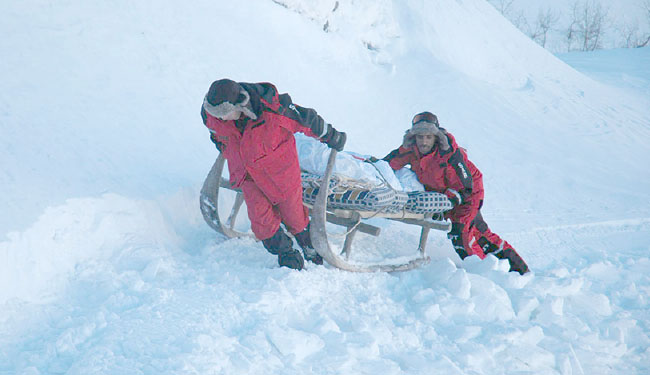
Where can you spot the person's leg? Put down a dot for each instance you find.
(456, 237)
(491, 243)
(265, 223)
(265, 219)
(461, 233)
(293, 213)
(295, 217)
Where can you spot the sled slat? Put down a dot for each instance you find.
(361, 227)
(439, 225)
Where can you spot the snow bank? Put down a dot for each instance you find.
(504, 57)
(163, 296)
(39, 262)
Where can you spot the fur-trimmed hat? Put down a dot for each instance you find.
(226, 96)
(425, 123)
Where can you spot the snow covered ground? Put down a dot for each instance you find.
(106, 266)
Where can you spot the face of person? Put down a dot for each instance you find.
(425, 143)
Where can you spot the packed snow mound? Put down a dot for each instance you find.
(116, 283)
(373, 23)
(84, 230)
(504, 56)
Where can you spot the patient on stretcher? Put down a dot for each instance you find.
(358, 184)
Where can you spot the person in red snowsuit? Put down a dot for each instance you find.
(253, 126)
(442, 166)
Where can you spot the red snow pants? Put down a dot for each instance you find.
(487, 241)
(265, 218)
(470, 234)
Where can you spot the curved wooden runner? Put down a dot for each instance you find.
(209, 202)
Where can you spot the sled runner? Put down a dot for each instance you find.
(343, 209)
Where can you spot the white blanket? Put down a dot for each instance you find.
(313, 157)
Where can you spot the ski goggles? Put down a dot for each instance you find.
(425, 117)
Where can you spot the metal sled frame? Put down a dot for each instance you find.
(320, 215)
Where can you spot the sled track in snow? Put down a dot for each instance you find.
(599, 227)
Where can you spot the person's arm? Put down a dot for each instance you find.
(399, 158)
(307, 117)
(213, 135)
(310, 119)
(464, 175)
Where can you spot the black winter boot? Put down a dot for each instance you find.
(517, 263)
(291, 258)
(304, 241)
(278, 241)
(281, 245)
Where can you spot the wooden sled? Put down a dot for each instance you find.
(320, 215)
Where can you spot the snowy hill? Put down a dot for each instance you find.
(105, 263)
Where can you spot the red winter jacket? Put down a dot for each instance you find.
(440, 170)
(265, 149)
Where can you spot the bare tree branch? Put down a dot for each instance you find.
(545, 22)
(505, 7)
(630, 35)
(646, 7)
(588, 24)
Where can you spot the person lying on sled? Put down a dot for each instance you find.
(442, 166)
(253, 127)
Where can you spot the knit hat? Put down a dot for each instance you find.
(425, 123)
(226, 96)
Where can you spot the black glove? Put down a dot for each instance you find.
(334, 139)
